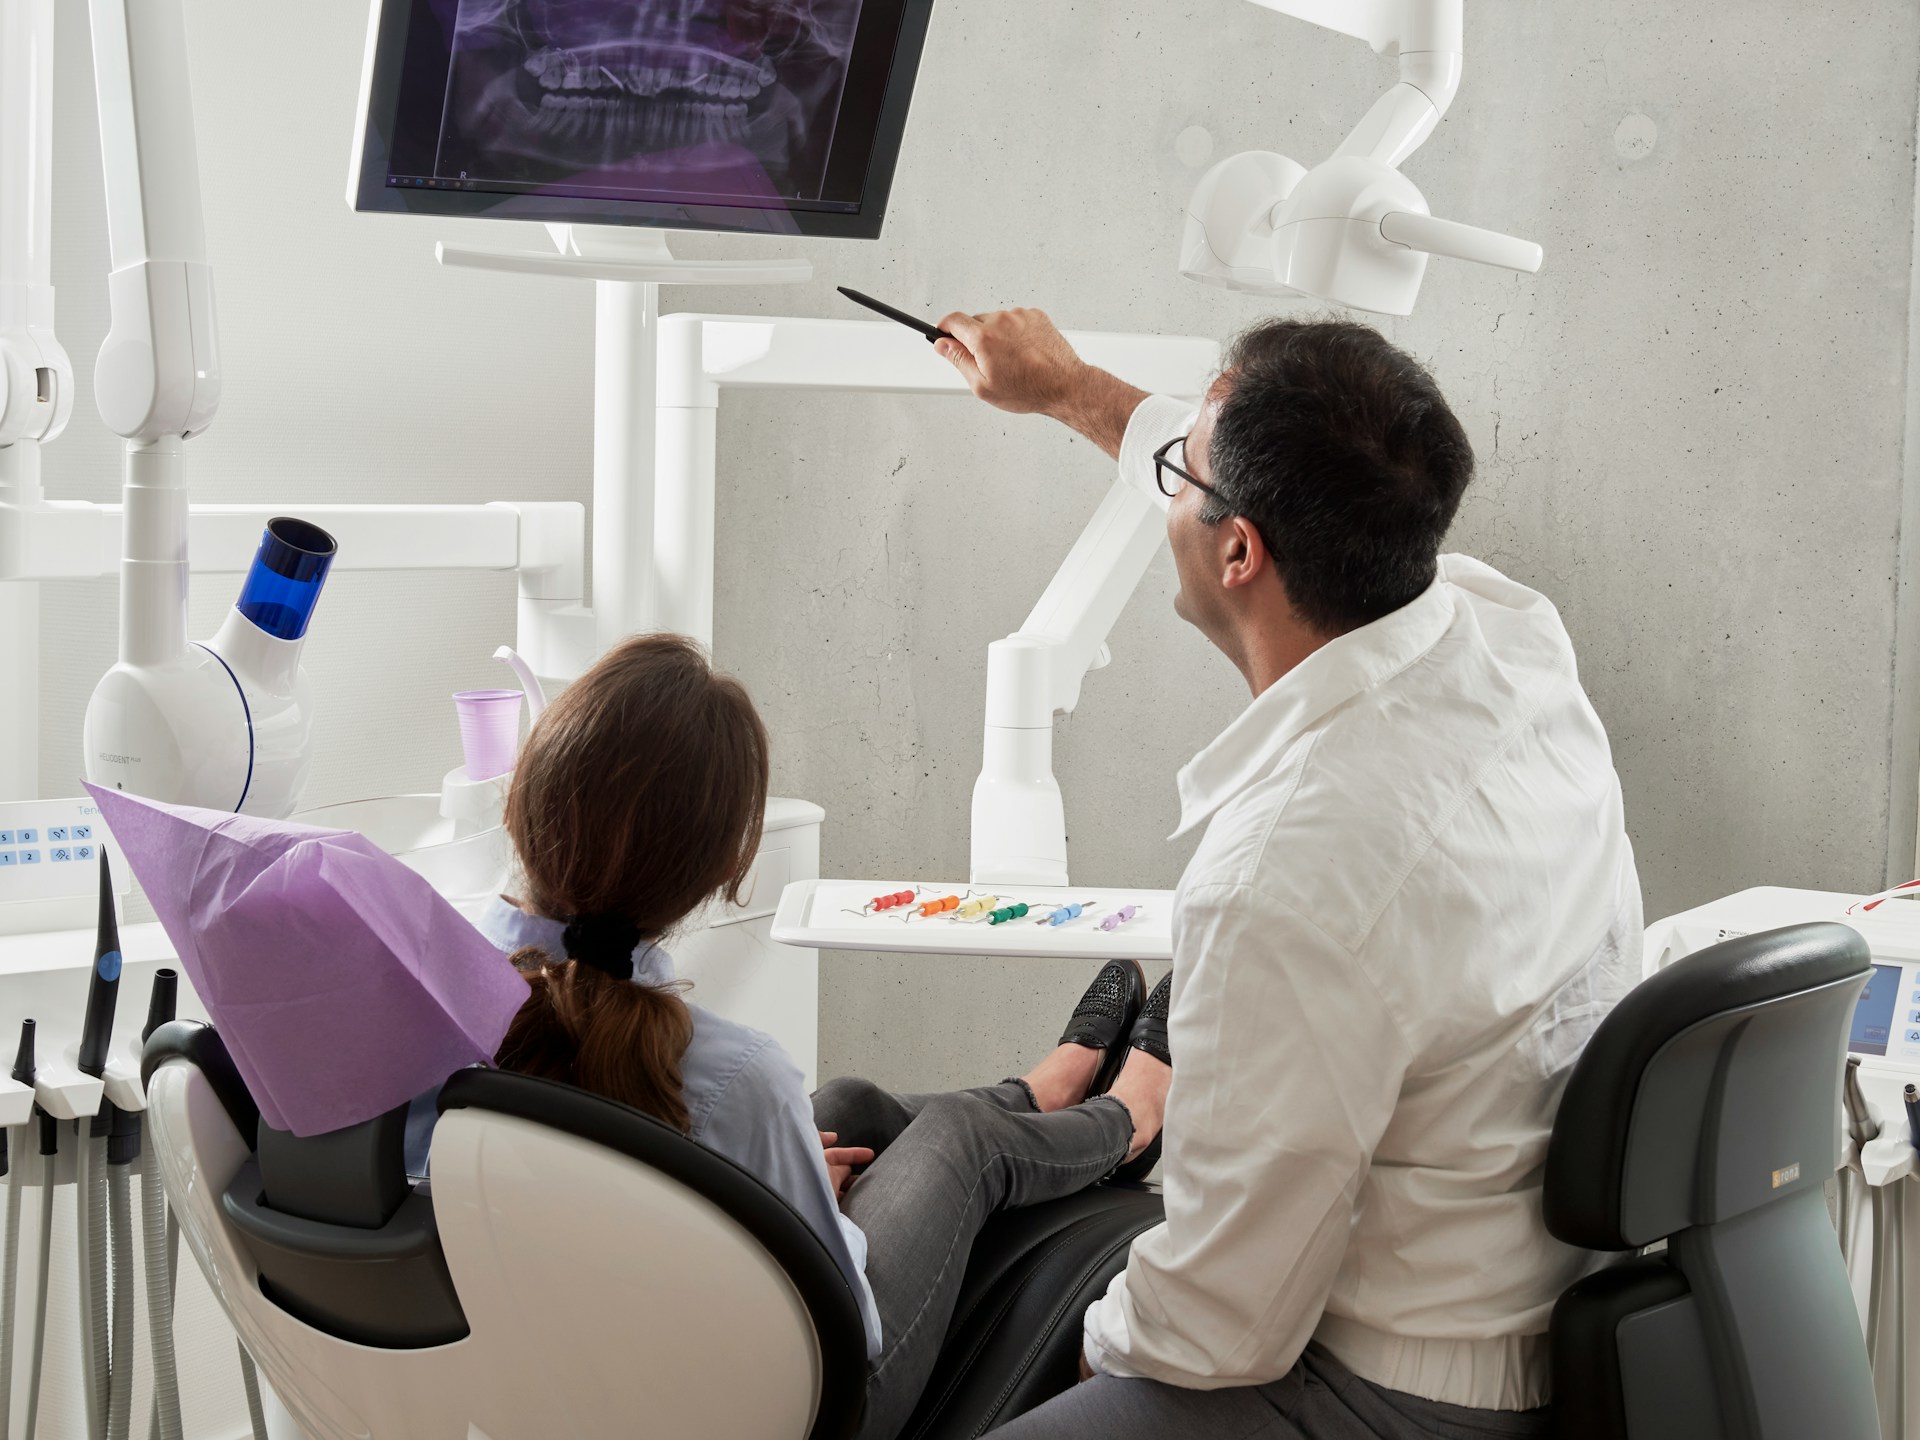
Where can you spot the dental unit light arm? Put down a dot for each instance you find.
(1352, 229)
(225, 724)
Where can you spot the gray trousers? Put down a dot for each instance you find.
(1319, 1399)
(945, 1164)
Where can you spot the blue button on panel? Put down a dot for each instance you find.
(29, 857)
(27, 837)
(6, 837)
(61, 854)
(83, 832)
(1913, 1017)
(1913, 1037)
(83, 852)
(56, 832)
(7, 858)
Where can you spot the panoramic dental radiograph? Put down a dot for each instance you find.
(732, 99)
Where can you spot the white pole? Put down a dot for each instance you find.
(20, 641)
(683, 538)
(626, 316)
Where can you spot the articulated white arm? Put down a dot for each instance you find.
(1410, 24)
(36, 378)
(158, 375)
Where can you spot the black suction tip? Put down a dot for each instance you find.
(24, 1068)
(162, 1000)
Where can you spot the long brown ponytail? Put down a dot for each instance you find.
(640, 795)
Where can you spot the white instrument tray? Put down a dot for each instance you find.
(822, 915)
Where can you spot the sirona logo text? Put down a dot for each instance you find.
(106, 759)
(1786, 1176)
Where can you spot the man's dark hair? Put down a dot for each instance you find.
(1342, 452)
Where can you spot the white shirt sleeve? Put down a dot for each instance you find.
(1286, 1070)
(1155, 420)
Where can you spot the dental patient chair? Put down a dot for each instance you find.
(1704, 1118)
(576, 1269)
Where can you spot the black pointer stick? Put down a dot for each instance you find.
(898, 316)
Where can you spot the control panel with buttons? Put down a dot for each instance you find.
(50, 850)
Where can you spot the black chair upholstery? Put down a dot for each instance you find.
(1705, 1114)
(1014, 1341)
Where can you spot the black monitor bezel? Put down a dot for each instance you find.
(372, 195)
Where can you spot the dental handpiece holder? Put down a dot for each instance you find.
(226, 724)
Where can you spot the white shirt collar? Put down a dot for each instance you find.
(1345, 666)
(510, 928)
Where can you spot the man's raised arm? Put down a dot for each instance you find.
(1019, 362)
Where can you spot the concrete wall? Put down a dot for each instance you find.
(1691, 427)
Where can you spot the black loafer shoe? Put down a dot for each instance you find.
(1149, 1034)
(1104, 1018)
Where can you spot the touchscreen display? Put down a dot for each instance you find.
(1873, 1016)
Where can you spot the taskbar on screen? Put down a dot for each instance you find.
(591, 192)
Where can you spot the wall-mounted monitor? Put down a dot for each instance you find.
(780, 116)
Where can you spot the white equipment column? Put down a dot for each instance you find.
(36, 378)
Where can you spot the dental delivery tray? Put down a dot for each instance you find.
(836, 915)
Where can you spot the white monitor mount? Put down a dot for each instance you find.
(1352, 229)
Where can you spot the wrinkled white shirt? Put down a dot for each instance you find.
(1414, 902)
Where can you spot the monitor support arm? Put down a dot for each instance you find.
(1019, 820)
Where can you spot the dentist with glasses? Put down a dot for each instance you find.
(1413, 902)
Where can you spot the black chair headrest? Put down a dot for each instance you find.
(1711, 1089)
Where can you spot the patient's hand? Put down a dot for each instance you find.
(842, 1160)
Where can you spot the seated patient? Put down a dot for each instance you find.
(640, 796)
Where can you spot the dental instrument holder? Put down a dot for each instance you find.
(1353, 229)
(628, 265)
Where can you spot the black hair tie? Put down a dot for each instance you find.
(606, 942)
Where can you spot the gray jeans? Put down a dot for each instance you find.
(1319, 1399)
(946, 1163)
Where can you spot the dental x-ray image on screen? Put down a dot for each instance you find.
(777, 116)
(722, 99)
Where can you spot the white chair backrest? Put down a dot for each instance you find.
(604, 1298)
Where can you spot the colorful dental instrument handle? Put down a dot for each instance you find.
(940, 906)
(1064, 913)
(893, 901)
(1119, 917)
(1007, 912)
(979, 905)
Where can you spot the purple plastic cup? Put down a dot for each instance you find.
(489, 730)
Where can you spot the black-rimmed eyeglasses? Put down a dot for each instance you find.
(1162, 465)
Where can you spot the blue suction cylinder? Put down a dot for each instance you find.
(288, 571)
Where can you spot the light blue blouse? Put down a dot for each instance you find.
(746, 1100)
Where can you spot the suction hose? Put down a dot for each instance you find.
(9, 1288)
(49, 1150)
(154, 1227)
(23, 1071)
(160, 1240)
(250, 1378)
(120, 1367)
(90, 1210)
